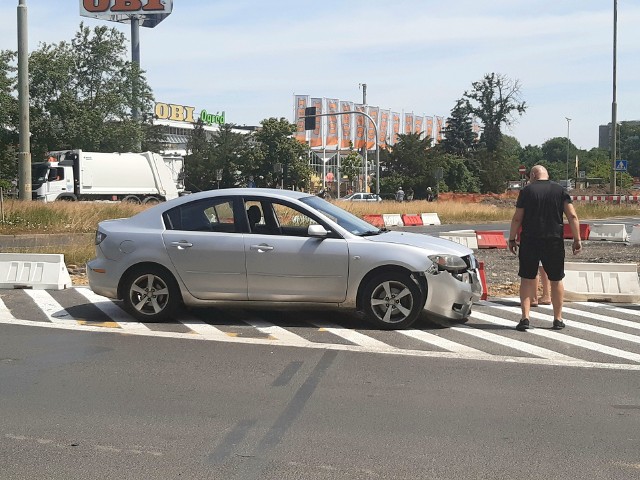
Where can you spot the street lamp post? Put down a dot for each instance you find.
(614, 105)
(568, 143)
(375, 129)
(24, 154)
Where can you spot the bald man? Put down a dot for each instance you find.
(539, 210)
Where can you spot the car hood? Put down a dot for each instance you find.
(428, 242)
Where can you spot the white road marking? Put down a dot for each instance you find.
(278, 333)
(563, 337)
(578, 325)
(440, 342)
(360, 342)
(49, 306)
(113, 311)
(508, 342)
(595, 316)
(203, 328)
(352, 336)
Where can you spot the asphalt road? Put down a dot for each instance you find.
(86, 400)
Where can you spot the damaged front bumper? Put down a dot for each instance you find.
(450, 295)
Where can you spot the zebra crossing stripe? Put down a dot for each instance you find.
(50, 307)
(440, 342)
(582, 326)
(560, 337)
(611, 308)
(113, 311)
(352, 336)
(277, 333)
(202, 328)
(595, 316)
(508, 342)
(5, 313)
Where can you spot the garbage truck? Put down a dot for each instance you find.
(75, 175)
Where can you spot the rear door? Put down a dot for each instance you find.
(206, 248)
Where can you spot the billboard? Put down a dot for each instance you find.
(150, 12)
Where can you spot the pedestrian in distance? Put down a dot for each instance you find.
(539, 211)
(429, 194)
(400, 195)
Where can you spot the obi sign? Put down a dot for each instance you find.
(151, 12)
(183, 113)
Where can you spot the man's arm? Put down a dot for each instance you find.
(574, 224)
(516, 223)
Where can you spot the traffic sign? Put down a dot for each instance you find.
(522, 170)
(621, 165)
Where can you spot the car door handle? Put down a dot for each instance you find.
(182, 244)
(261, 248)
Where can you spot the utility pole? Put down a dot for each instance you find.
(24, 153)
(614, 105)
(364, 150)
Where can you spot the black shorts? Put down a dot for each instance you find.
(549, 251)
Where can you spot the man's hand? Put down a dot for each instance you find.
(577, 246)
(513, 247)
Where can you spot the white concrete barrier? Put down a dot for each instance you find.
(465, 237)
(392, 220)
(634, 238)
(615, 232)
(430, 219)
(609, 282)
(34, 270)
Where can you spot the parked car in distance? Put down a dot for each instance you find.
(362, 197)
(566, 184)
(270, 247)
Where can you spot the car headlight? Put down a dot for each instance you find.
(449, 263)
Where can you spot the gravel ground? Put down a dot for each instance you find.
(501, 266)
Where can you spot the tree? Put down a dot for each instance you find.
(8, 121)
(351, 165)
(630, 146)
(198, 176)
(275, 145)
(494, 100)
(457, 177)
(82, 94)
(459, 138)
(229, 153)
(411, 163)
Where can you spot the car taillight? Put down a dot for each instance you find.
(100, 236)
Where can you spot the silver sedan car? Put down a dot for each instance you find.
(273, 247)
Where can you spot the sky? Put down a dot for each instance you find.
(249, 58)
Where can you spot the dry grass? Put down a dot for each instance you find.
(59, 217)
(68, 217)
(466, 212)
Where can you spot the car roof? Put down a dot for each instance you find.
(149, 217)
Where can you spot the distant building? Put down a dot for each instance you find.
(604, 134)
(180, 120)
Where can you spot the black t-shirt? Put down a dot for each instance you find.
(543, 203)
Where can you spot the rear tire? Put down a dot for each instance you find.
(151, 294)
(131, 199)
(392, 300)
(151, 201)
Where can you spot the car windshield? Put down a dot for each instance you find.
(346, 220)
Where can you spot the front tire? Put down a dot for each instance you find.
(151, 294)
(392, 300)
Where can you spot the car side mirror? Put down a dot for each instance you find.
(317, 231)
